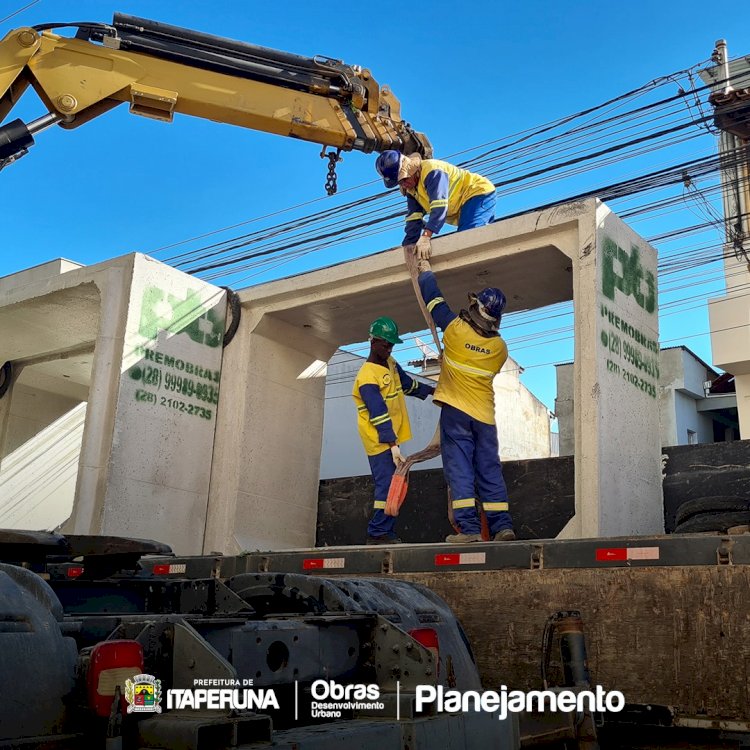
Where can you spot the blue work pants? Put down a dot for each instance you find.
(382, 468)
(472, 468)
(477, 212)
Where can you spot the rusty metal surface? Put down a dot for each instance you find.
(674, 636)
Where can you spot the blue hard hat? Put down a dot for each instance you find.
(492, 300)
(387, 165)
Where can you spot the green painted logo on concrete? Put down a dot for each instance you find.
(630, 283)
(161, 311)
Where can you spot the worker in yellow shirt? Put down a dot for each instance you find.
(436, 193)
(473, 354)
(382, 419)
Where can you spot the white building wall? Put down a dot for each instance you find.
(681, 382)
(694, 373)
(687, 418)
(342, 454)
(522, 420)
(681, 379)
(671, 381)
(730, 344)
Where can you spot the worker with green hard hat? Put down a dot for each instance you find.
(382, 419)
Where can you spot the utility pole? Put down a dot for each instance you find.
(730, 315)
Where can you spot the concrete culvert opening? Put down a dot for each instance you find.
(43, 411)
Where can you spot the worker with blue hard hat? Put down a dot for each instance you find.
(436, 193)
(474, 354)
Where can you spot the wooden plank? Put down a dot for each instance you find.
(668, 636)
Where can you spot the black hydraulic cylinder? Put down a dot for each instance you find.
(15, 138)
(228, 56)
(145, 27)
(568, 625)
(573, 651)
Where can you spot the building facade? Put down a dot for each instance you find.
(696, 404)
(523, 422)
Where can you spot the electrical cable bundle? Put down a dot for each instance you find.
(607, 151)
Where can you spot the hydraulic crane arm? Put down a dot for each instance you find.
(160, 69)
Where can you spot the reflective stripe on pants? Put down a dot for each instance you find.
(471, 463)
(382, 468)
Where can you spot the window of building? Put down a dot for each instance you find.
(692, 437)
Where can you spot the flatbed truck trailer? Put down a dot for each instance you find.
(113, 644)
(666, 618)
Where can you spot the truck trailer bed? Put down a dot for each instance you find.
(666, 618)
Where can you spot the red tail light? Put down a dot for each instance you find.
(166, 569)
(74, 571)
(112, 662)
(428, 638)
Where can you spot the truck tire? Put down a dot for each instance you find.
(31, 642)
(713, 522)
(712, 504)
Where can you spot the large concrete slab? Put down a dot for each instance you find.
(165, 416)
(141, 343)
(338, 303)
(616, 385)
(538, 259)
(160, 460)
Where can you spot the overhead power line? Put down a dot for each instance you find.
(308, 231)
(607, 151)
(20, 10)
(503, 151)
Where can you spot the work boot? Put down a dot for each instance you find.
(385, 539)
(463, 538)
(506, 535)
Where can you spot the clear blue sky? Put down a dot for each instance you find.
(464, 73)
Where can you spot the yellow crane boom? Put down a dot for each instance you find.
(159, 69)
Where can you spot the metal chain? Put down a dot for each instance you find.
(333, 158)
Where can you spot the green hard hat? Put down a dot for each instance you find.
(385, 328)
